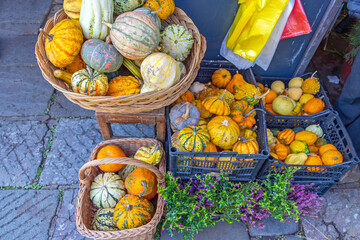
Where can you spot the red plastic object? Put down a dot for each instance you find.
(297, 23)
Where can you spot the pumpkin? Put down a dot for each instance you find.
(274, 155)
(227, 96)
(185, 97)
(270, 137)
(320, 142)
(325, 148)
(203, 112)
(331, 157)
(176, 41)
(63, 42)
(132, 211)
(65, 76)
(202, 123)
(72, 8)
(147, 11)
(176, 143)
(123, 85)
(106, 190)
(104, 220)
(101, 56)
(110, 151)
(269, 98)
(151, 155)
(306, 136)
(261, 87)
(294, 93)
(89, 83)
(283, 105)
(275, 131)
(305, 98)
(92, 14)
(249, 93)
(299, 146)
(313, 149)
(76, 65)
(209, 148)
(268, 107)
(183, 115)
(281, 151)
(311, 85)
(140, 182)
(315, 128)
(272, 146)
(278, 87)
(313, 106)
(223, 131)
(165, 7)
(216, 105)
(206, 91)
(194, 139)
(196, 88)
(246, 133)
(298, 129)
(236, 81)
(313, 159)
(153, 193)
(226, 162)
(242, 113)
(246, 146)
(221, 78)
(121, 6)
(135, 35)
(131, 66)
(125, 171)
(159, 71)
(295, 82)
(296, 158)
(296, 110)
(286, 136)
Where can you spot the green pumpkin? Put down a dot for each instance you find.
(104, 220)
(121, 6)
(125, 171)
(315, 128)
(320, 142)
(299, 146)
(275, 131)
(89, 82)
(298, 129)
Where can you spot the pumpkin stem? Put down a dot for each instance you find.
(222, 95)
(50, 37)
(90, 71)
(262, 96)
(128, 207)
(143, 183)
(313, 75)
(255, 109)
(311, 154)
(186, 115)
(243, 139)
(109, 25)
(225, 123)
(108, 39)
(154, 12)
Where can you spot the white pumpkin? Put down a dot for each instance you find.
(296, 82)
(176, 41)
(106, 190)
(159, 71)
(283, 105)
(92, 13)
(278, 87)
(295, 93)
(315, 128)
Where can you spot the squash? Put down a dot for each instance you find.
(104, 220)
(261, 87)
(306, 136)
(278, 87)
(236, 81)
(294, 93)
(203, 112)
(140, 182)
(147, 11)
(249, 93)
(159, 71)
(268, 107)
(314, 159)
(121, 6)
(297, 109)
(101, 56)
(72, 8)
(269, 98)
(216, 105)
(151, 155)
(76, 65)
(176, 41)
(227, 96)
(89, 83)
(165, 7)
(246, 133)
(313, 149)
(295, 82)
(185, 97)
(296, 159)
(283, 105)
(153, 193)
(183, 115)
(92, 13)
(331, 157)
(135, 35)
(270, 137)
(313, 106)
(110, 151)
(123, 85)
(132, 211)
(224, 132)
(286, 136)
(315, 128)
(131, 66)
(274, 155)
(202, 123)
(196, 88)
(209, 148)
(221, 78)
(311, 85)
(325, 148)
(242, 113)
(194, 139)
(125, 171)
(176, 143)
(106, 190)
(281, 151)
(63, 42)
(275, 131)
(299, 146)
(305, 98)
(65, 76)
(246, 146)
(320, 142)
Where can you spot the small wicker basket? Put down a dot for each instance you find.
(131, 103)
(85, 209)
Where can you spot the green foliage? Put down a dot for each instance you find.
(49, 144)
(34, 186)
(9, 188)
(61, 194)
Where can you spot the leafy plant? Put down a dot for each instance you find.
(308, 203)
(354, 40)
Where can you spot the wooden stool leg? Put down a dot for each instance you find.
(105, 127)
(160, 128)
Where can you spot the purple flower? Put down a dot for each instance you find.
(179, 202)
(162, 230)
(164, 201)
(180, 217)
(196, 207)
(173, 229)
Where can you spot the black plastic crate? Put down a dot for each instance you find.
(328, 108)
(184, 165)
(335, 133)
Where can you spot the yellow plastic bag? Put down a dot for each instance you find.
(253, 25)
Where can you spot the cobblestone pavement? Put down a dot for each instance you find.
(45, 139)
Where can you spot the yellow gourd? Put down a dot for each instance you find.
(311, 85)
(150, 155)
(296, 158)
(306, 136)
(305, 98)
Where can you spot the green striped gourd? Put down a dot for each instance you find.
(194, 139)
(121, 6)
(104, 220)
(89, 82)
(151, 13)
(125, 171)
(106, 190)
(135, 70)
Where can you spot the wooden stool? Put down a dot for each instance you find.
(155, 117)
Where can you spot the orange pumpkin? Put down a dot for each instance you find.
(203, 112)
(216, 105)
(235, 82)
(123, 85)
(221, 78)
(153, 193)
(281, 151)
(76, 65)
(268, 107)
(286, 136)
(261, 87)
(313, 106)
(313, 149)
(274, 155)
(110, 151)
(246, 146)
(331, 157)
(313, 160)
(186, 97)
(269, 98)
(241, 108)
(165, 7)
(326, 147)
(209, 148)
(140, 182)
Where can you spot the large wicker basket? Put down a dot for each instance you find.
(85, 209)
(131, 103)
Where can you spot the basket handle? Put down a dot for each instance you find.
(202, 49)
(58, 12)
(119, 160)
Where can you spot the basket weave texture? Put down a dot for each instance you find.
(85, 209)
(131, 103)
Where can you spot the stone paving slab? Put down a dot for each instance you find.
(65, 220)
(315, 228)
(20, 152)
(19, 17)
(275, 228)
(27, 214)
(24, 91)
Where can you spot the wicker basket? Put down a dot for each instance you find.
(131, 103)
(85, 209)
